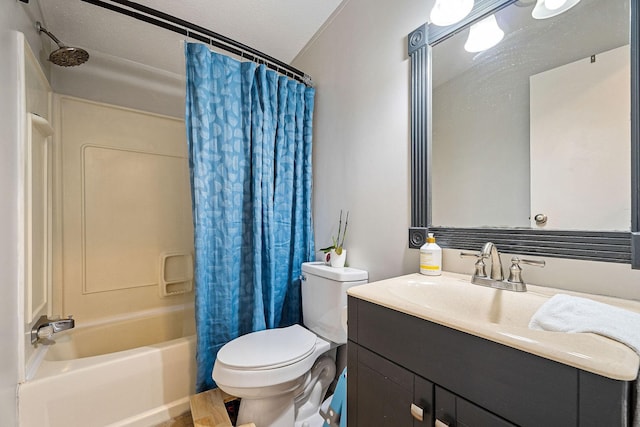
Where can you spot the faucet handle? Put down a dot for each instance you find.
(475, 254)
(45, 332)
(480, 270)
(534, 262)
(515, 271)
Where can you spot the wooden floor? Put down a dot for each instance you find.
(184, 420)
(208, 409)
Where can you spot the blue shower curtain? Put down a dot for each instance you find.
(249, 134)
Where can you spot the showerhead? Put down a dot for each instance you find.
(64, 56)
(69, 56)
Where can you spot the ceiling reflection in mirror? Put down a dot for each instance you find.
(537, 125)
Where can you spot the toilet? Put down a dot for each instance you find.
(282, 375)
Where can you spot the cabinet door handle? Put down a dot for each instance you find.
(440, 423)
(417, 412)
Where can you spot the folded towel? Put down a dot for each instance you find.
(564, 313)
(337, 413)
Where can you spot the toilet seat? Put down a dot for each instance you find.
(260, 361)
(268, 349)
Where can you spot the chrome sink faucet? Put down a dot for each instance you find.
(489, 250)
(496, 279)
(45, 328)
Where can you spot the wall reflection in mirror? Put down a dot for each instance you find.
(537, 124)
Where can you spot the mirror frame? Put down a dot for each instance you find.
(606, 246)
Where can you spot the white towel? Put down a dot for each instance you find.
(564, 313)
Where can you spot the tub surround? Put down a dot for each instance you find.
(500, 316)
(124, 227)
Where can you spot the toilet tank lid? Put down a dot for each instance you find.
(341, 274)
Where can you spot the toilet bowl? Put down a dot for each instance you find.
(281, 375)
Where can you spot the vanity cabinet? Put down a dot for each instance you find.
(396, 360)
(386, 392)
(452, 410)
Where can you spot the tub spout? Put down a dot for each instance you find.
(45, 327)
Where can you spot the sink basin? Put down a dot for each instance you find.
(503, 316)
(455, 296)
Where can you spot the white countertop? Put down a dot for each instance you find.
(503, 317)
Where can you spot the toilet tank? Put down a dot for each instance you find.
(324, 298)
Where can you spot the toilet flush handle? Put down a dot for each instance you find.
(303, 278)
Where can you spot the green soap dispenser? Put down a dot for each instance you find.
(431, 257)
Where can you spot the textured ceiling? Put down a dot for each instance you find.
(592, 26)
(279, 28)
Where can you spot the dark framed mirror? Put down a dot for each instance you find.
(468, 191)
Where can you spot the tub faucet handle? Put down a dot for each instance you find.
(45, 332)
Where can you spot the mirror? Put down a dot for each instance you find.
(538, 124)
(509, 203)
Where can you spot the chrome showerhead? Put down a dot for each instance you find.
(69, 56)
(64, 56)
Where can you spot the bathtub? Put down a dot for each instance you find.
(133, 371)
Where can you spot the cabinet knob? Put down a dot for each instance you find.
(417, 412)
(440, 423)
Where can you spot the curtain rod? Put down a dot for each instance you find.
(186, 28)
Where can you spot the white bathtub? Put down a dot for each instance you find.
(138, 371)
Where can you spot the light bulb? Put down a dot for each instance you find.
(554, 4)
(448, 12)
(484, 35)
(549, 8)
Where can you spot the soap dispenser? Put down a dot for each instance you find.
(431, 257)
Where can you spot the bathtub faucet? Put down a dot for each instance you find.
(45, 327)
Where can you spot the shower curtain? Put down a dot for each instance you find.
(249, 134)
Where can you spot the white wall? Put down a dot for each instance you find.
(13, 16)
(361, 149)
(360, 66)
(495, 123)
(118, 81)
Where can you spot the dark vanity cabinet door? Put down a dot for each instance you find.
(400, 366)
(391, 396)
(454, 411)
(387, 394)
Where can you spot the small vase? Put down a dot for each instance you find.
(338, 260)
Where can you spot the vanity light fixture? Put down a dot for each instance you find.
(448, 12)
(549, 8)
(484, 35)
